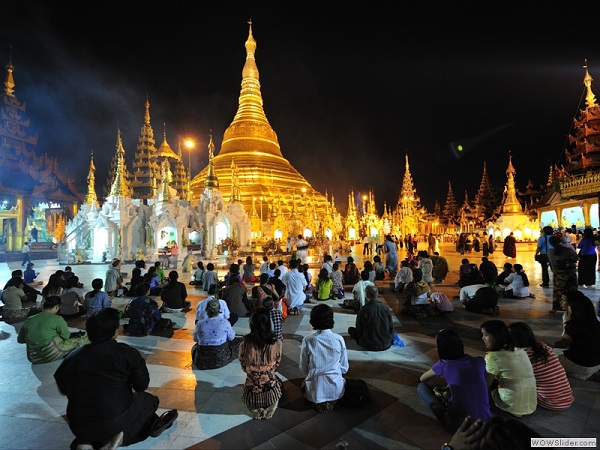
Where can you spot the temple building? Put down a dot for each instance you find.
(37, 198)
(408, 216)
(574, 187)
(280, 200)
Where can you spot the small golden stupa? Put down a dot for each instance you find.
(263, 180)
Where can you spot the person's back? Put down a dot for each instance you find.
(359, 290)
(96, 299)
(236, 297)
(374, 324)
(209, 277)
(351, 273)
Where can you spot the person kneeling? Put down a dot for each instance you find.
(216, 344)
(123, 413)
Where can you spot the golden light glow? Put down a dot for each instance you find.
(189, 144)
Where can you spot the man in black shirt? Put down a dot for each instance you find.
(106, 383)
(374, 326)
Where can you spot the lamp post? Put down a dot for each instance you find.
(190, 145)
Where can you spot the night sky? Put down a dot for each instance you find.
(349, 90)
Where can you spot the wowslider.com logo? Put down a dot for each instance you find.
(563, 442)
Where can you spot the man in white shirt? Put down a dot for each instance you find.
(264, 267)
(359, 290)
(25, 250)
(468, 292)
(301, 248)
(282, 268)
(295, 284)
(328, 264)
(201, 313)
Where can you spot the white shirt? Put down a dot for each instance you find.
(201, 309)
(25, 248)
(515, 282)
(404, 275)
(426, 266)
(264, 267)
(323, 358)
(468, 292)
(295, 283)
(327, 265)
(283, 270)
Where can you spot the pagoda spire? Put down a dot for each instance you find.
(180, 176)
(9, 83)
(250, 113)
(91, 198)
(590, 98)
(146, 171)
(120, 186)
(212, 182)
(450, 206)
(511, 205)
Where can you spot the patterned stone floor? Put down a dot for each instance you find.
(212, 416)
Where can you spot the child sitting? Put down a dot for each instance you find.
(417, 293)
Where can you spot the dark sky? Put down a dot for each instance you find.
(350, 90)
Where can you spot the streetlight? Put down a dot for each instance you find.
(190, 145)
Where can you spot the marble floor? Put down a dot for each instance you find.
(212, 415)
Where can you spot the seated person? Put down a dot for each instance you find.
(464, 269)
(374, 328)
(248, 271)
(260, 356)
(464, 377)
(236, 297)
(47, 335)
(201, 313)
(72, 299)
(113, 377)
(216, 344)
(379, 268)
(144, 315)
(198, 274)
(440, 267)
(13, 297)
(151, 278)
(324, 286)
(275, 280)
(30, 275)
(403, 276)
(137, 276)
(474, 276)
(337, 279)
(209, 279)
(489, 270)
(324, 360)
(517, 283)
(506, 271)
(416, 294)
(96, 299)
(351, 274)
(174, 294)
(359, 292)
(265, 289)
(275, 316)
(31, 292)
(234, 271)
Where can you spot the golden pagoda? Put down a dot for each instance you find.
(250, 145)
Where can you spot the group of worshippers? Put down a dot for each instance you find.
(518, 373)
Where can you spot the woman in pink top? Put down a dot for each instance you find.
(553, 389)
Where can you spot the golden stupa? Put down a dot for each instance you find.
(250, 166)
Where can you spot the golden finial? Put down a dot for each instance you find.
(9, 84)
(590, 98)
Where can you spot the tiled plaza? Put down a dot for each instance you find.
(212, 415)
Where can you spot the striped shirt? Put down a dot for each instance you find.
(553, 389)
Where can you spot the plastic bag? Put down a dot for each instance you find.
(397, 342)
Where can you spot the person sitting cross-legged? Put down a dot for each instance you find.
(174, 294)
(144, 315)
(359, 292)
(216, 344)
(374, 326)
(105, 383)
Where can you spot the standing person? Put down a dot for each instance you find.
(541, 254)
(431, 244)
(374, 327)
(174, 294)
(301, 249)
(510, 246)
(96, 299)
(47, 335)
(581, 335)
(586, 268)
(260, 356)
(324, 360)
(174, 254)
(553, 389)
(391, 255)
(463, 376)
(563, 262)
(509, 373)
(295, 283)
(25, 250)
(492, 243)
(113, 377)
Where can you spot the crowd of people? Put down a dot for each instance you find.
(517, 375)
